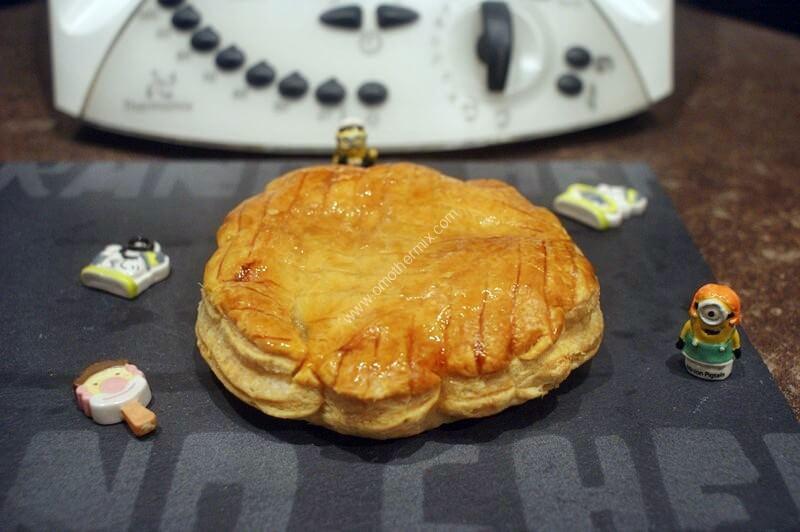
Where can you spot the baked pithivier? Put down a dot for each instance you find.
(386, 301)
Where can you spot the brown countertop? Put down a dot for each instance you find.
(725, 147)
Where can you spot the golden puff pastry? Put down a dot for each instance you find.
(383, 302)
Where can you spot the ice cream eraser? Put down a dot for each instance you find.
(111, 391)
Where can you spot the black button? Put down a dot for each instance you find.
(570, 85)
(186, 18)
(372, 93)
(390, 16)
(578, 57)
(293, 86)
(169, 3)
(205, 39)
(348, 17)
(260, 75)
(331, 92)
(230, 58)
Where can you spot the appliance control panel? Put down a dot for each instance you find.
(423, 75)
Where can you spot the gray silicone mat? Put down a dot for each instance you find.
(629, 441)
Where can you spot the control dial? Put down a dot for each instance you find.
(496, 43)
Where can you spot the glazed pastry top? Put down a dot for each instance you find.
(383, 281)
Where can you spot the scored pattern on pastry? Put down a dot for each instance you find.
(339, 290)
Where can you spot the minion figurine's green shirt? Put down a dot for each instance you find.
(709, 352)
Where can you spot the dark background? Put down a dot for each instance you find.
(701, 454)
(781, 14)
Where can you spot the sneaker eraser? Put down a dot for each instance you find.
(127, 270)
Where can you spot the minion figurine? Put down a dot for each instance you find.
(351, 145)
(709, 339)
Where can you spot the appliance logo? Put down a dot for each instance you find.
(159, 95)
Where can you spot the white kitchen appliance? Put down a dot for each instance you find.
(279, 75)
